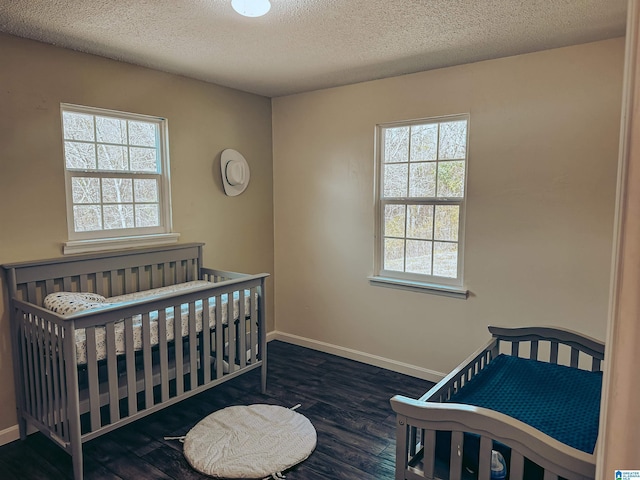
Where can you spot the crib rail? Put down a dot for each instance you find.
(421, 423)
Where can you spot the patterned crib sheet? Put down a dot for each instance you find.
(65, 303)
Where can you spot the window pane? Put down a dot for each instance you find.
(147, 216)
(453, 140)
(142, 133)
(143, 159)
(394, 216)
(117, 190)
(80, 156)
(146, 190)
(418, 257)
(77, 126)
(111, 130)
(396, 145)
(422, 182)
(118, 216)
(112, 157)
(420, 222)
(395, 180)
(446, 224)
(87, 218)
(451, 179)
(424, 142)
(445, 259)
(394, 254)
(85, 190)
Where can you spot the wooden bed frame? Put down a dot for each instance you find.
(418, 420)
(72, 404)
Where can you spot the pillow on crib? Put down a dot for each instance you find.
(65, 303)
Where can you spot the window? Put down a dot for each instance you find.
(117, 179)
(421, 197)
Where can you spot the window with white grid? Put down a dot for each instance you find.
(116, 173)
(422, 169)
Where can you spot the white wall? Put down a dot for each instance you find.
(542, 165)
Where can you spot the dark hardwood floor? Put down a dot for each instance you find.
(347, 402)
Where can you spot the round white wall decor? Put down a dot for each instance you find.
(249, 441)
(235, 172)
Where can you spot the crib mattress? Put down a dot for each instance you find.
(560, 401)
(65, 303)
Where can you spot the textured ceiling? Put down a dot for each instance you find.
(303, 45)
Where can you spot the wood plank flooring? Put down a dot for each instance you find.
(347, 402)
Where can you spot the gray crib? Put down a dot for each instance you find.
(435, 432)
(217, 332)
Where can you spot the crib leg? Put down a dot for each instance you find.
(76, 457)
(263, 373)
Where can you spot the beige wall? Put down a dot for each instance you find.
(542, 175)
(204, 119)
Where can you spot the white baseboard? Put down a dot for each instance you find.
(9, 435)
(368, 358)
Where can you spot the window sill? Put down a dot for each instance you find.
(432, 288)
(105, 244)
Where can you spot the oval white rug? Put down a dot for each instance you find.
(249, 441)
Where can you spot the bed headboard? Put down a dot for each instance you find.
(106, 273)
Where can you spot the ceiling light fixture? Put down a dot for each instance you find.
(251, 8)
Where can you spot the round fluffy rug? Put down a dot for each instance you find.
(249, 441)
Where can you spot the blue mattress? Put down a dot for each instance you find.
(560, 401)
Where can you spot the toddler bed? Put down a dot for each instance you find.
(102, 340)
(532, 394)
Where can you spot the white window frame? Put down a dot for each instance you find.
(453, 287)
(108, 239)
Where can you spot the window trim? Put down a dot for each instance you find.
(453, 287)
(100, 240)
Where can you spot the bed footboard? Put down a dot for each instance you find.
(431, 435)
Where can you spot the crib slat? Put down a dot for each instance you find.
(177, 329)
(575, 356)
(242, 333)
(31, 367)
(130, 365)
(429, 445)
(164, 355)
(206, 341)
(49, 374)
(66, 284)
(515, 348)
(231, 324)
(55, 379)
(193, 352)
(553, 358)
(253, 322)
(84, 283)
(219, 338)
(166, 273)
(484, 458)
(595, 364)
(115, 286)
(48, 286)
(156, 276)
(64, 420)
(100, 283)
(42, 353)
(533, 355)
(516, 468)
(112, 372)
(92, 377)
(146, 360)
(457, 444)
(31, 292)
